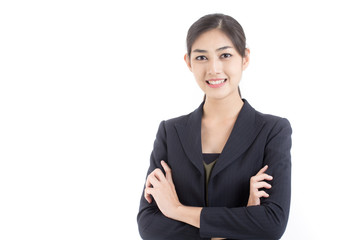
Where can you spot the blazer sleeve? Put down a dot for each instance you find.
(268, 220)
(152, 223)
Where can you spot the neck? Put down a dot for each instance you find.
(220, 109)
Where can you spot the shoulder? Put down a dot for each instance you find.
(168, 126)
(177, 120)
(274, 124)
(270, 121)
(171, 123)
(185, 119)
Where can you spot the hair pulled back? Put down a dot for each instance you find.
(228, 25)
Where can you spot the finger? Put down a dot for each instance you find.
(262, 194)
(268, 177)
(259, 185)
(147, 183)
(263, 170)
(148, 192)
(150, 176)
(147, 196)
(159, 174)
(167, 170)
(152, 181)
(261, 177)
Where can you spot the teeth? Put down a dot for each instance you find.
(216, 82)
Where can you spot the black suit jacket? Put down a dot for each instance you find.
(256, 140)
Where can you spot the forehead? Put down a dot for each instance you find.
(212, 39)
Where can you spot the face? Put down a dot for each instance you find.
(216, 65)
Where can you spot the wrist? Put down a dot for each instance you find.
(176, 215)
(189, 215)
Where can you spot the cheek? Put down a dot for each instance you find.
(234, 71)
(198, 73)
(200, 82)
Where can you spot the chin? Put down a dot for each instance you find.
(223, 95)
(217, 96)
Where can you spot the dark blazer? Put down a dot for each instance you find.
(256, 140)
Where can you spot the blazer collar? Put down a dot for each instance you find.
(246, 128)
(190, 137)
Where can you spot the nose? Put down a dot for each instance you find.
(214, 67)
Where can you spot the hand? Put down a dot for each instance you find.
(257, 182)
(162, 189)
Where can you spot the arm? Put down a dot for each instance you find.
(267, 221)
(152, 223)
(162, 188)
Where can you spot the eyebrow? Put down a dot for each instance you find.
(219, 49)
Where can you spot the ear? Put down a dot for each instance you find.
(187, 61)
(246, 59)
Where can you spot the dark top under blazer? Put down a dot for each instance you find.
(256, 140)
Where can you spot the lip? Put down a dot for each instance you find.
(216, 85)
(215, 79)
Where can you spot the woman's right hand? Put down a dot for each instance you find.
(257, 182)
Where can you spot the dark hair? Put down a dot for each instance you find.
(225, 23)
(228, 25)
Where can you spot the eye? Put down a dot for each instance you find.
(200, 58)
(226, 55)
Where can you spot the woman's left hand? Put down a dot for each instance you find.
(162, 189)
(257, 182)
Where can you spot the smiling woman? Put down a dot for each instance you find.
(210, 171)
(216, 63)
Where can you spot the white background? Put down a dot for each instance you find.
(85, 84)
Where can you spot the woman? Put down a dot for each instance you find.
(207, 177)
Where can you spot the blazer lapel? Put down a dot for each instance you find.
(190, 138)
(245, 129)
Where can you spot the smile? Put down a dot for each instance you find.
(216, 83)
